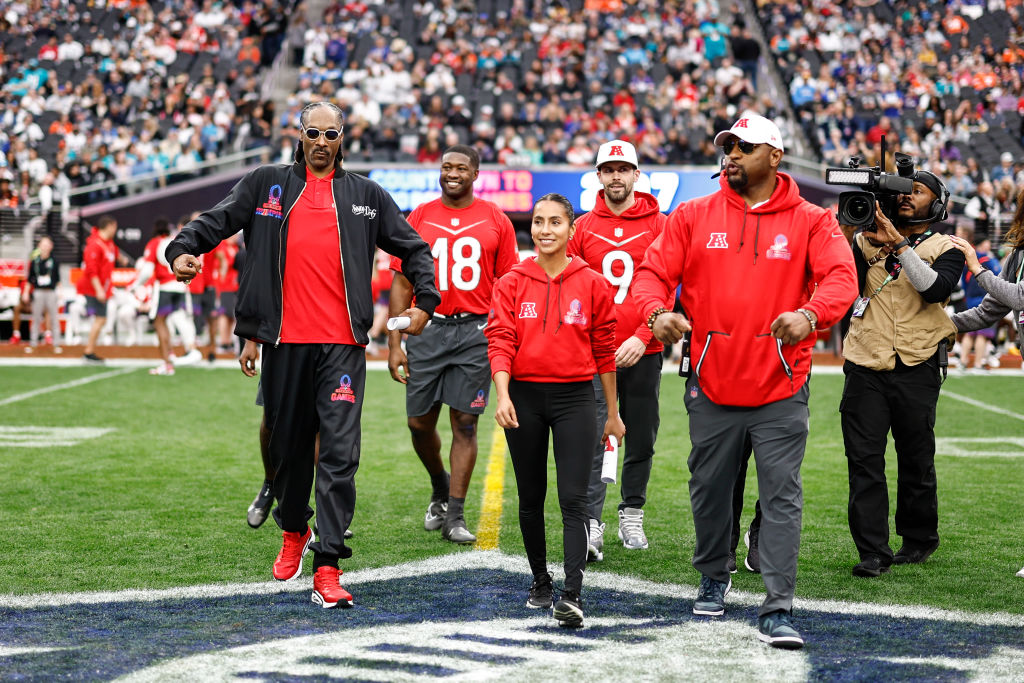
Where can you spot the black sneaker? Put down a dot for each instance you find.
(569, 610)
(540, 592)
(731, 562)
(753, 559)
(711, 594)
(911, 555)
(870, 566)
(260, 507)
(777, 630)
(92, 358)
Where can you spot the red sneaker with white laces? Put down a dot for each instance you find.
(288, 564)
(327, 590)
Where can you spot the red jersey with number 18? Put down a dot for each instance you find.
(615, 246)
(472, 247)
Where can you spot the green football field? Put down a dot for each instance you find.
(134, 481)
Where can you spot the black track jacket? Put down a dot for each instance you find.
(259, 206)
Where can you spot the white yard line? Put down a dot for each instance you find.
(64, 385)
(984, 406)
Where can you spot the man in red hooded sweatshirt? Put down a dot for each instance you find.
(613, 239)
(761, 268)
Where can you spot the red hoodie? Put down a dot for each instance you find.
(551, 330)
(616, 246)
(740, 268)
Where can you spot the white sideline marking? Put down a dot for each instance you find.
(47, 437)
(961, 446)
(13, 651)
(984, 406)
(496, 560)
(66, 385)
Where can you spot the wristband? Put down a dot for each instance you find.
(654, 316)
(899, 245)
(810, 318)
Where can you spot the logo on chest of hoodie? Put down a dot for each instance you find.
(528, 310)
(575, 314)
(779, 249)
(716, 240)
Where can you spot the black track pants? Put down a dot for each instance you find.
(566, 410)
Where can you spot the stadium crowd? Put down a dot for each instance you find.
(94, 92)
(941, 81)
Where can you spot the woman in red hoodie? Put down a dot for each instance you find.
(551, 329)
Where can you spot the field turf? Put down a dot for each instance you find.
(159, 501)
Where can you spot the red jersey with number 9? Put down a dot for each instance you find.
(615, 246)
(472, 247)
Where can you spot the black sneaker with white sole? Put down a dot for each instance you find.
(259, 510)
(569, 610)
(540, 592)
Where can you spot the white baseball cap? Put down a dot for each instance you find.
(753, 128)
(617, 150)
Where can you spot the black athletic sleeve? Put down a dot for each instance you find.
(948, 267)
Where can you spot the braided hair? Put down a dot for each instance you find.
(300, 158)
(560, 199)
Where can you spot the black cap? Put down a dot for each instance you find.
(932, 182)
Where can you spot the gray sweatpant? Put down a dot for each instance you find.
(45, 300)
(718, 435)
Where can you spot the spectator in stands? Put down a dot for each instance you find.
(1004, 169)
(984, 209)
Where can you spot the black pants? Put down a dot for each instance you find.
(567, 411)
(639, 387)
(309, 388)
(874, 402)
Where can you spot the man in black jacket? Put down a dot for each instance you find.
(311, 231)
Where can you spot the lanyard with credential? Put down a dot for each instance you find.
(861, 304)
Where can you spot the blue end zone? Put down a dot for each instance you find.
(114, 639)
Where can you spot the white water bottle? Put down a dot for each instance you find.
(611, 460)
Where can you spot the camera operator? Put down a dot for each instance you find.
(895, 352)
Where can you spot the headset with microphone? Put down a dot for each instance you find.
(937, 211)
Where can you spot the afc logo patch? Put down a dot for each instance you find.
(616, 151)
(344, 391)
(528, 310)
(717, 241)
(480, 401)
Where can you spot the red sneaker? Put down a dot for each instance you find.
(327, 590)
(288, 564)
(15, 338)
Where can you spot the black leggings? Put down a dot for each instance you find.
(568, 411)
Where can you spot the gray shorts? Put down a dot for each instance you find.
(448, 364)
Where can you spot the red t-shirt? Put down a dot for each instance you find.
(315, 310)
(97, 261)
(161, 273)
(224, 274)
(472, 247)
(200, 282)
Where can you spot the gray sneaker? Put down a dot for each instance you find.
(631, 529)
(458, 533)
(777, 630)
(711, 594)
(595, 542)
(434, 518)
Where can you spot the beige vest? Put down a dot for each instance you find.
(898, 320)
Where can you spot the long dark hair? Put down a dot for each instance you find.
(1015, 235)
